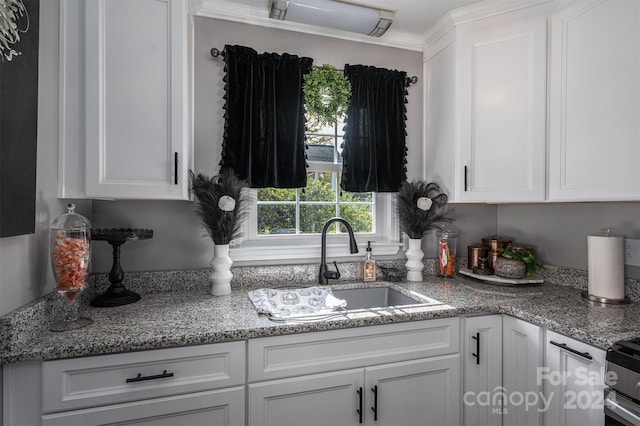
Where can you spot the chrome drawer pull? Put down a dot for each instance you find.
(573, 351)
(141, 378)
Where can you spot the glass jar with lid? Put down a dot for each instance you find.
(447, 239)
(70, 243)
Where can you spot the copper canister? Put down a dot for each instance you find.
(494, 243)
(474, 253)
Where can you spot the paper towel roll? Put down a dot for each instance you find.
(606, 266)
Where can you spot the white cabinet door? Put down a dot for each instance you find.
(502, 112)
(137, 124)
(485, 112)
(440, 152)
(522, 359)
(327, 399)
(594, 102)
(573, 380)
(213, 408)
(482, 370)
(421, 392)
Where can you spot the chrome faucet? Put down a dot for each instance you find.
(325, 275)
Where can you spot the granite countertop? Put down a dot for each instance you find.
(190, 316)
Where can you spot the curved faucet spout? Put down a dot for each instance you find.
(325, 274)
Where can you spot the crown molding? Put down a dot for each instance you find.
(231, 11)
(474, 12)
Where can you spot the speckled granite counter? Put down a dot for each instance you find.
(189, 315)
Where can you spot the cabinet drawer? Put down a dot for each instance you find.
(301, 354)
(218, 408)
(108, 379)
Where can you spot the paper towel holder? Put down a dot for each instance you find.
(603, 300)
(606, 279)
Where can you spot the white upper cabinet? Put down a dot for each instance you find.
(594, 105)
(135, 118)
(502, 112)
(485, 109)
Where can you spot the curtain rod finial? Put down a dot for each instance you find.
(215, 52)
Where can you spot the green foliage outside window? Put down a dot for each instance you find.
(281, 218)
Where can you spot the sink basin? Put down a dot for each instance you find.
(373, 297)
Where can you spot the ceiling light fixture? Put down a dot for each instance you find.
(333, 14)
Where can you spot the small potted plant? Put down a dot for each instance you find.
(516, 261)
(422, 207)
(221, 207)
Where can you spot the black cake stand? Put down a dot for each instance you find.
(116, 294)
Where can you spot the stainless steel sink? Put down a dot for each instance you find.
(373, 297)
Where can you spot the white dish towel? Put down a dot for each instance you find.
(289, 303)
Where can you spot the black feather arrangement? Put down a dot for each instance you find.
(422, 206)
(222, 204)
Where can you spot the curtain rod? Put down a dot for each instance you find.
(215, 52)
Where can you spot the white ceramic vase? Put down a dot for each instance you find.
(414, 260)
(221, 270)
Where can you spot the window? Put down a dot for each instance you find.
(282, 222)
(305, 211)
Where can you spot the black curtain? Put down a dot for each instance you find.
(374, 154)
(263, 138)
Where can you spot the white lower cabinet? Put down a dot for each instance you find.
(420, 392)
(214, 408)
(511, 373)
(329, 399)
(482, 363)
(422, 386)
(192, 385)
(522, 358)
(573, 380)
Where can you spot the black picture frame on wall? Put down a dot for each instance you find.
(19, 129)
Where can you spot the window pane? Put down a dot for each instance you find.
(319, 187)
(276, 219)
(325, 153)
(313, 217)
(274, 194)
(360, 216)
(358, 197)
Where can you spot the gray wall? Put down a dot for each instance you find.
(25, 273)
(559, 231)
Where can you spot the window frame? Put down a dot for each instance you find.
(301, 247)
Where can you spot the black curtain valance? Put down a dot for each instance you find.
(374, 154)
(264, 140)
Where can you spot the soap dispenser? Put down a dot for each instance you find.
(369, 266)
